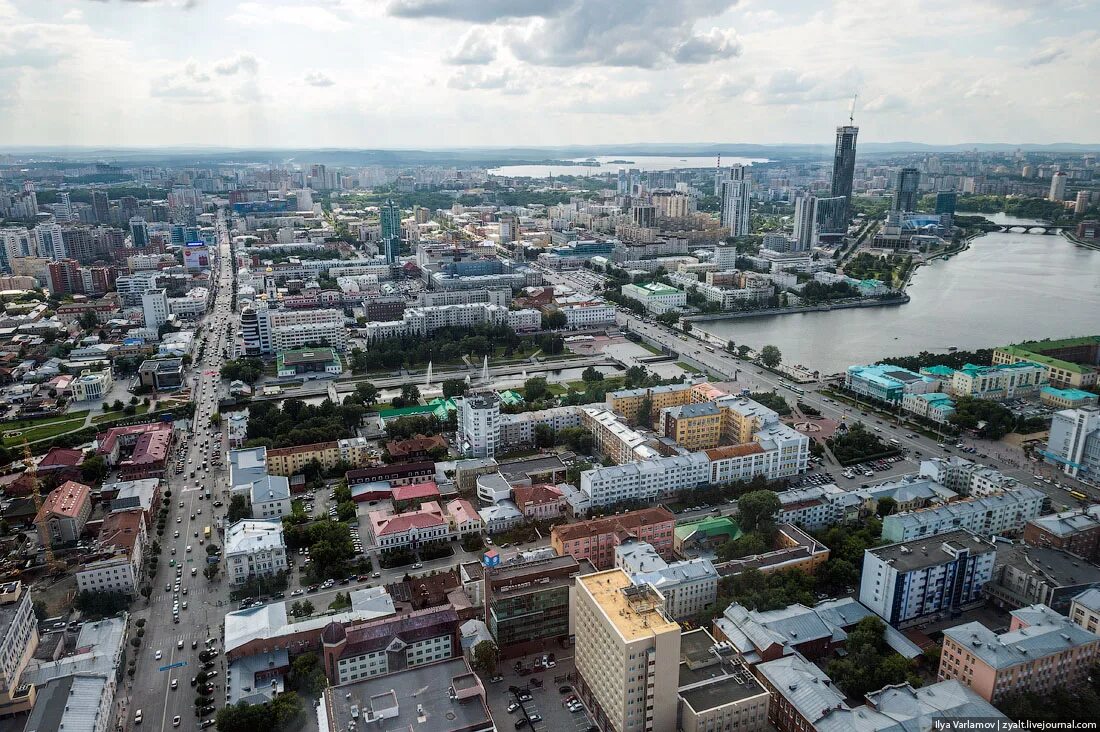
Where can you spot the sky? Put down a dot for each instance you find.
(463, 73)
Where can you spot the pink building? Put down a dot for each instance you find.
(539, 501)
(596, 540)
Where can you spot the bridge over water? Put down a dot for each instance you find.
(1051, 230)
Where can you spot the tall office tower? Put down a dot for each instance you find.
(733, 192)
(154, 305)
(946, 201)
(51, 244)
(391, 231)
(805, 222)
(1074, 441)
(622, 183)
(509, 224)
(905, 197)
(1057, 187)
(139, 232)
(627, 653)
(101, 207)
(63, 211)
(844, 170)
(1081, 203)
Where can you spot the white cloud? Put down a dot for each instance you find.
(478, 11)
(309, 17)
(476, 47)
(242, 62)
(316, 78)
(502, 80)
(1045, 57)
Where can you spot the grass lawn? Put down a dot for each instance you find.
(44, 431)
(22, 424)
(110, 416)
(652, 349)
(689, 369)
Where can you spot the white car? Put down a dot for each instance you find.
(158, 655)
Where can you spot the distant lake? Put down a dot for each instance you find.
(641, 162)
(1005, 288)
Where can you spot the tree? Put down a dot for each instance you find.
(307, 608)
(535, 389)
(367, 391)
(554, 320)
(239, 508)
(307, 676)
(886, 506)
(486, 655)
(544, 435)
(870, 664)
(210, 571)
(215, 419)
(645, 411)
(743, 546)
(454, 387)
(770, 356)
(686, 326)
(41, 612)
(93, 469)
(590, 375)
(88, 320)
(342, 601)
(755, 507)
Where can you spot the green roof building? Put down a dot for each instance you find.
(707, 530)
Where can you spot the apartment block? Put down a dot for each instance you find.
(693, 426)
(596, 540)
(615, 439)
(1041, 652)
(1076, 531)
(642, 481)
(1002, 514)
(627, 653)
(1084, 610)
(1073, 443)
(628, 402)
(908, 582)
(18, 642)
(1027, 575)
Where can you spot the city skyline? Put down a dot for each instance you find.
(436, 73)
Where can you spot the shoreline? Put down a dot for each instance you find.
(707, 317)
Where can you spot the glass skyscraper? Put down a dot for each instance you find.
(844, 170)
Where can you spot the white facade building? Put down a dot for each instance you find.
(270, 497)
(154, 305)
(92, 385)
(254, 549)
(479, 424)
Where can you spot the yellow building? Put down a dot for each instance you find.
(288, 461)
(627, 653)
(1070, 363)
(628, 402)
(616, 439)
(742, 418)
(695, 426)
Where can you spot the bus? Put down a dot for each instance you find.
(206, 532)
(1079, 495)
(788, 385)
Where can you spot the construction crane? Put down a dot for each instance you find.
(31, 470)
(852, 110)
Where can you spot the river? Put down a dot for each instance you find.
(640, 162)
(1005, 288)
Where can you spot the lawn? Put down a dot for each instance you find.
(652, 349)
(44, 431)
(686, 367)
(111, 416)
(22, 424)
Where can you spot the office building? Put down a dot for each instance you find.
(693, 426)
(732, 188)
(908, 582)
(946, 201)
(1057, 187)
(391, 231)
(64, 513)
(270, 497)
(654, 295)
(1076, 531)
(1003, 381)
(139, 232)
(1041, 652)
(479, 425)
(92, 385)
(265, 330)
(162, 374)
(527, 602)
(716, 690)
(689, 586)
(805, 223)
(1073, 443)
(1067, 398)
(18, 642)
(908, 190)
(308, 361)
(627, 653)
(844, 170)
(115, 563)
(254, 549)
(615, 439)
(1028, 575)
(887, 383)
(154, 305)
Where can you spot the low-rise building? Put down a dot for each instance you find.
(115, 565)
(64, 513)
(656, 297)
(1067, 398)
(162, 374)
(388, 645)
(887, 383)
(270, 497)
(143, 495)
(816, 507)
(596, 540)
(1026, 575)
(92, 385)
(308, 362)
(396, 474)
(1076, 531)
(933, 406)
(689, 586)
(1002, 381)
(716, 691)
(540, 501)
(417, 447)
(1001, 514)
(1084, 610)
(254, 548)
(427, 524)
(908, 582)
(137, 451)
(1041, 652)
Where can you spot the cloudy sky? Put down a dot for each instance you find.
(449, 73)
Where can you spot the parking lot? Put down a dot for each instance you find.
(529, 702)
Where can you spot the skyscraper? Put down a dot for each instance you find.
(732, 189)
(844, 170)
(805, 222)
(391, 231)
(139, 232)
(946, 202)
(101, 207)
(905, 196)
(1057, 187)
(51, 244)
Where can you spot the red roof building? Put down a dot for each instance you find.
(139, 451)
(416, 491)
(62, 462)
(596, 540)
(416, 447)
(65, 512)
(426, 524)
(539, 501)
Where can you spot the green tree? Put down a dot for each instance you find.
(306, 675)
(367, 391)
(544, 435)
(535, 389)
(486, 656)
(886, 506)
(554, 320)
(93, 469)
(755, 507)
(590, 375)
(342, 601)
(41, 612)
(307, 608)
(239, 508)
(645, 412)
(454, 387)
(770, 356)
(743, 546)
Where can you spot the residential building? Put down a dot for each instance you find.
(540, 501)
(1057, 187)
(479, 425)
(395, 475)
(254, 548)
(293, 460)
(693, 426)
(92, 385)
(18, 642)
(640, 481)
(1041, 652)
(308, 361)
(1084, 610)
(627, 653)
(64, 513)
(1026, 575)
(1067, 398)
(689, 586)
(733, 191)
(438, 697)
(1002, 514)
(596, 540)
(162, 374)
(816, 507)
(887, 383)
(1076, 531)
(115, 565)
(628, 402)
(417, 447)
(266, 330)
(615, 439)
(387, 645)
(1073, 443)
(137, 451)
(270, 497)
(908, 582)
(1070, 363)
(154, 304)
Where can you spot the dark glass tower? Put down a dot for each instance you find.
(905, 197)
(391, 231)
(844, 170)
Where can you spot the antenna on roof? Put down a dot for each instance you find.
(852, 109)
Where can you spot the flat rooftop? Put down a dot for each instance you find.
(634, 611)
(929, 551)
(417, 698)
(718, 685)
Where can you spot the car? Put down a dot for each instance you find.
(157, 656)
(188, 548)
(535, 718)
(179, 643)
(524, 696)
(194, 644)
(185, 590)
(185, 601)
(137, 717)
(167, 586)
(179, 519)
(181, 504)
(376, 575)
(176, 721)
(175, 682)
(205, 710)
(297, 592)
(521, 723)
(418, 565)
(206, 723)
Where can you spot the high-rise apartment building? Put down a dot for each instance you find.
(1057, 187)
(906, 194)
(65, 277)
(51, 242)
(154, 304)
(1074, 442)
(732, 189)
(627, 653)
(391, 231)
(479, 424)
(101, 207)
(18, 642)
(844, 171)
(139, 232)
(805, 222)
